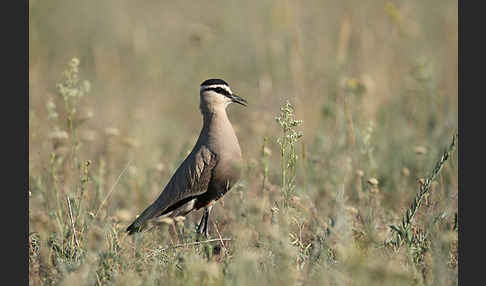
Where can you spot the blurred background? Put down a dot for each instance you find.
(375, 81)
(145, 62)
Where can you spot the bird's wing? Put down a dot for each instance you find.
(190, 179)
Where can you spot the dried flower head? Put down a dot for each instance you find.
(58, 135)
(179, 219)
(166, 220)
(405, 172)
(420, 150)
(51, 109)
(88, 135)
(71, 86)
(160, 167)
(373, 181)
(131, 142)
(112, 132)
(267, 151)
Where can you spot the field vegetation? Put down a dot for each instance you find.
(349, 139)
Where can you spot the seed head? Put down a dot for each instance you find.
(373, 181)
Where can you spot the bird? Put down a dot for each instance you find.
(210, 170)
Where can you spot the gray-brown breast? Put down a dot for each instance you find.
(224, 176)
(227, 171)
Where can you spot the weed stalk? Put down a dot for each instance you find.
(404, 232)
(288, 154)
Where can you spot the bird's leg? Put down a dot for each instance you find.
(206, 223)
(203, 219)
(203, 226)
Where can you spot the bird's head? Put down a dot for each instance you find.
(216, 94)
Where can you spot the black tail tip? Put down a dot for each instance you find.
(133, 229)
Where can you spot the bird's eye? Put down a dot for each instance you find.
(222, 91)
(219, 90)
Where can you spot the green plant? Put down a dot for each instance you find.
(71, 89)
(287, 142)
(403, 232)
(67, 242)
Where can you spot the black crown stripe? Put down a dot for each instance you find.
(219, 90)
(214, 81)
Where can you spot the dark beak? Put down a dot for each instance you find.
(235, 98)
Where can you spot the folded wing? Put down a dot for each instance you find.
(190, 180)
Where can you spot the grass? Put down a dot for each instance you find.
(346, 181)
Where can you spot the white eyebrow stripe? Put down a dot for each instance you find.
(225, 87)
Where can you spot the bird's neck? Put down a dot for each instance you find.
(219, 135)
(211, 116)
(217, 129)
